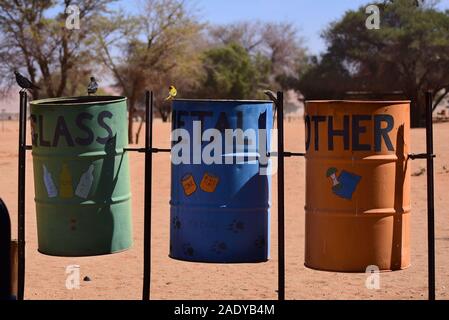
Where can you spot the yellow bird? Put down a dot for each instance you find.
(171, 93)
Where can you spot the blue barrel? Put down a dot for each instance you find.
(220, 180)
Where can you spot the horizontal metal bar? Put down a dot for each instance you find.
(414, 156)
(155, 150)
(143, 150)
(135, 149)
(286, 154)
(294, 154)
(28, 147)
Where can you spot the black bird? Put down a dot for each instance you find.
(273, 98)
(92, 87)
(24, 83)
(271, 95)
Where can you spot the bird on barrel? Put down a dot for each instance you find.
(172, 92)
(92, 87)
(273, 98)
(24, 83)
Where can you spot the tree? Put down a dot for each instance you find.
(151, 50)
(55, 57)
(229, 74)
(275, 48)
(409, 53)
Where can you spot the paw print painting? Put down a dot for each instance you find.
(209, 182)
(188, 184)
(176, 223)
(188, 250)
(260, 242)
(237, 226)
(219, 247)
(343, 185)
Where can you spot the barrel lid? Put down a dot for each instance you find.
(76, 101)
(360, 101)
(223, 100)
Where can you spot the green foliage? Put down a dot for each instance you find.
(36, 42)
(409, 53)
(275, 51)
(230, 73)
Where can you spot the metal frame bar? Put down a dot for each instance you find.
(281, 154)
(148, 195)
(429, 156)
(21, 194)
(148, 192)
(281, 208)
(430, 196)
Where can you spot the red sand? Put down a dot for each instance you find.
(119, 276)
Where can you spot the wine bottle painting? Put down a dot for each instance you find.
(49, 183)
(85, 183)
(65, 183)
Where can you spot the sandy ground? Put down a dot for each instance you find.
(119, 276)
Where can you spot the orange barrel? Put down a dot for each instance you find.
(357, 185)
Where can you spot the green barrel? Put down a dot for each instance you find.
(81, 175)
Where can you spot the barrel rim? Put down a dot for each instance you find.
(223, 100)
(77, 101)
(360, 101)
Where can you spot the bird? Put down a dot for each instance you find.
(171, 92)
(273, 98)
(24, 83)
(271, 95)
(92, 87)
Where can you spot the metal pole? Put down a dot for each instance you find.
(147, 205)
(281, 222)
(21, 195)
(430, 196)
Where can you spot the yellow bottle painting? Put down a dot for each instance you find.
(65, 182)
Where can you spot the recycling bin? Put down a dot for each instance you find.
(81, 175)
(357, 211)
(220, 180)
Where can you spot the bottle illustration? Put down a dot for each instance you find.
(49, 184)
(85, 183)
(65, 182)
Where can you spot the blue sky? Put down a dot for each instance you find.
(309, 16)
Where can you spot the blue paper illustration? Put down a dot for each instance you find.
(344, 184)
